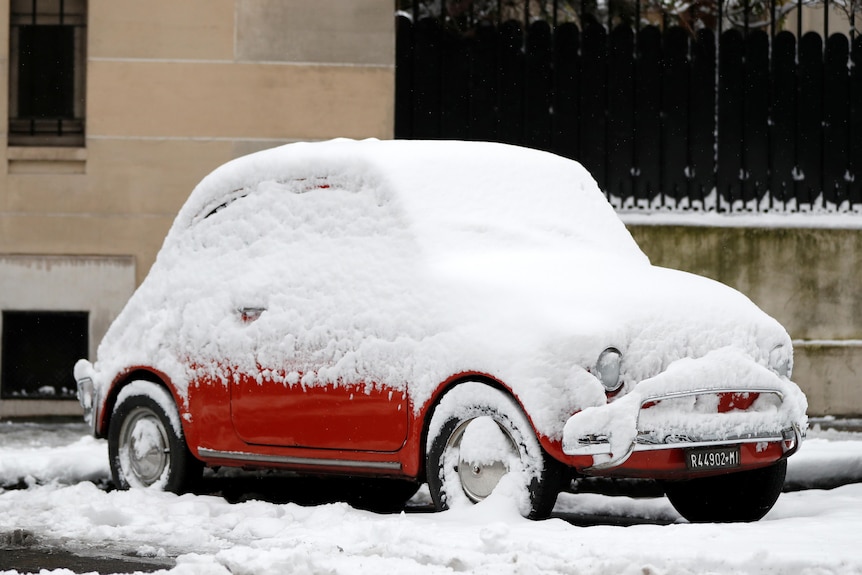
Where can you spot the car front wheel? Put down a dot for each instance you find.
(478, 438)
(733, 497)
(146, 446)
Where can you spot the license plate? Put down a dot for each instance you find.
(707, 458)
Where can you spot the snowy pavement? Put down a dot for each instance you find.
(52, 475)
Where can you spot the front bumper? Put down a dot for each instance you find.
(686, 406)
(658, 419)
(87, 392)
(709, 430)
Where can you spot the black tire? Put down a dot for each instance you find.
(379, 495)
(733, 497)
(146, 446)
(451, 479)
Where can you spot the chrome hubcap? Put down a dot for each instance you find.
(144, 448)
(486, 452)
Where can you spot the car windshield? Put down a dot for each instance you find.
(458, 199)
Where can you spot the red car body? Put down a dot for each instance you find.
(284, 337)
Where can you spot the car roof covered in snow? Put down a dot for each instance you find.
(450, 193)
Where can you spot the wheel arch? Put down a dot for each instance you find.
(428, 410)
(123, 380)
(547, 475)
(141, 397)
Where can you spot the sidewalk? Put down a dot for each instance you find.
(842, 424)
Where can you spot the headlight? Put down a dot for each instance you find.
(608, 368)
(780, 361)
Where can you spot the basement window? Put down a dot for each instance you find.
(39, 350)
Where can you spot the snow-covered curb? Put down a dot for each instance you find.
(810, 532)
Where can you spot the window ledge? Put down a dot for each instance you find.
(47, 154)
(46, 160)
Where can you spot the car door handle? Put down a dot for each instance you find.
(250, 314)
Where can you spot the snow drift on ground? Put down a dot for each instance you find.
(808, 532)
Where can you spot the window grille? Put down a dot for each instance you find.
(47, 51)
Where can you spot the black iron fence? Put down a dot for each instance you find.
(748, 118)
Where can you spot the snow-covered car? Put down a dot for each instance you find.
(466, 314)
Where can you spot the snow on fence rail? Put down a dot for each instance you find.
(749, 118)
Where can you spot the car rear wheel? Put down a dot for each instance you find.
(146, 446)
(479, 438)
(733, 497)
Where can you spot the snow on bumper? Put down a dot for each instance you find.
(87, 391)
(680, 408)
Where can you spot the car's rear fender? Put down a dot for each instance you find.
(126, 377)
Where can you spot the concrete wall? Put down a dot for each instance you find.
(810, 279)
(98, 285)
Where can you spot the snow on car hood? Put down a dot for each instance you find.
(402, 263)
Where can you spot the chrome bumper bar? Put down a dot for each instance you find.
(599, 445)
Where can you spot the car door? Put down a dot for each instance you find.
(319, 275)
(272, 410)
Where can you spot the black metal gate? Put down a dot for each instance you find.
(741, 119)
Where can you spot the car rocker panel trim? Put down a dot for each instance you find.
(293, 460)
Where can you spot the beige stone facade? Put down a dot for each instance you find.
(172, 90)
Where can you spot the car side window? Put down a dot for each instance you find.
(228, 200)
(296, 186)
